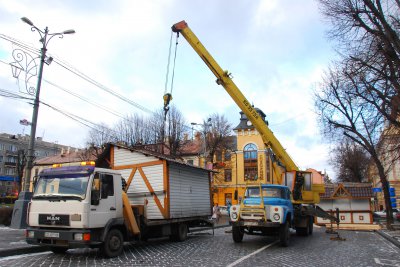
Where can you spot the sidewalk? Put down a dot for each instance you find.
(392, 236)
(12, 242)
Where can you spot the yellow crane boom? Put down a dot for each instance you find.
(284, 163)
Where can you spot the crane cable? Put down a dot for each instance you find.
(168, 96)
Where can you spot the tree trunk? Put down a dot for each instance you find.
(386, 194)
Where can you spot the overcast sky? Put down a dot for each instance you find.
(276, 51)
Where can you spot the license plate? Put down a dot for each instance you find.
(51, 234)
(251, 223)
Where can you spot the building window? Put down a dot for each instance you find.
(228, 199)
(228, 175)
(227, 155)
(250, 162)
(219, 155)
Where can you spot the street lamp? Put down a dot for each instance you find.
(205, 128)
(20, 207)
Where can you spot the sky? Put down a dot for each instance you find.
(277, 52)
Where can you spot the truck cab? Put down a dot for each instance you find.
(267, 209)
(77, 206)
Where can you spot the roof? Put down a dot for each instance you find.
(347, 190)
(243, 120)
(168, 158)
(74, 156)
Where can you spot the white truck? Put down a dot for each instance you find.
(88, 206)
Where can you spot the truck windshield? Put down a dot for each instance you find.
(267, 192)
(61, 187)
(272, 192)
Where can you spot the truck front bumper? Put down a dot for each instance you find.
(256, 223)
(62, 237)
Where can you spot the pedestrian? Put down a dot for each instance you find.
(216, 213)
(229, 212)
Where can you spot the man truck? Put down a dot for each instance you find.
(91, 205)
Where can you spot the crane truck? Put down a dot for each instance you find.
(267, 209)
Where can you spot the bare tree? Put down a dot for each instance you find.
(368, 37)
(351, 161)
(217, 132)
(342, 114)
(133, 130)
(175, 130)
(100, 135)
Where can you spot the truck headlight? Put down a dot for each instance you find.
(78, 236)
(276, 217)
(234, 215)
(82, 236)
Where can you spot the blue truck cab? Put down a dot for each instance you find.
(266, 209)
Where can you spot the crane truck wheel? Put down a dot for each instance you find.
(284, 234)
(237, 234)
(113, 244)
(302, 231)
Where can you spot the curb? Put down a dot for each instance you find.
(23, 250)
(389, 238)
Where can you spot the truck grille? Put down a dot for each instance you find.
(56, 219)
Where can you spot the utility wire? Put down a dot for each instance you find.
(72, 69)
(75, 71)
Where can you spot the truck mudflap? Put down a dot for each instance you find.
(68, 238)
(256, 223)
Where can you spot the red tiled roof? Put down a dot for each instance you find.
(75, 156)
(354, 190)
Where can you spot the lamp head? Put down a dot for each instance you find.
(69, 32)
(27, 21)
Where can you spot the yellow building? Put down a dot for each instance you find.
(249, 162)
(390, 157)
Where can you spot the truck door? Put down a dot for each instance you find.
(104, 209)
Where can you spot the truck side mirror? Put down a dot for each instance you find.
(95, 197)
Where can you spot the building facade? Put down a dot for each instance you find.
(247, 161)
(13, 150)
(390, 157)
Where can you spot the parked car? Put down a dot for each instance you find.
(398, 216)
(382, 213)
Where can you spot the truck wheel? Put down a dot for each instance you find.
(182, 232)
(284, 234)
(58, 250)
(113, 244)
(302, 231)
(237, 234)
(311, 225)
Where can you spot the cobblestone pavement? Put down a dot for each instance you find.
(204, 249)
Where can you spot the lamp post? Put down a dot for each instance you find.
(20, 207)
(205, 128)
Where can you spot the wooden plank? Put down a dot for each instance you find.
(355, 227)
(131, 166)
